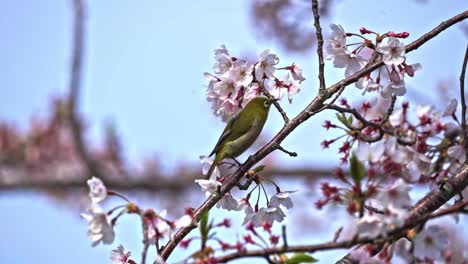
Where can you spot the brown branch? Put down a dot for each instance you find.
(318, 31)
(275, 103)
(75, 85)
(290, 153)
(463, 103)
(17, 179)
(316, 104)
(393, 236)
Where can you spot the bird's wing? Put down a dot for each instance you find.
(226, 133)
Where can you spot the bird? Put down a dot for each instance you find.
(241, 131)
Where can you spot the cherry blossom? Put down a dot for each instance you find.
(223, 63)
(397, 195)
(266, 65)
(393, 51)
(120, 256)
(394, 87)
(209, 186)
(97, 190)
(99, 226)
(268, 214)
(207, 162)
(349, 60)
(337, 41)
(361, 255)
(183, 221)
(374, 225)
(370, 152)
(228, 202)
(241, 73)
(281, 198)
(296, 72)
(430, 242)
(451, 108)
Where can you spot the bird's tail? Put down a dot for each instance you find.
(212, 167)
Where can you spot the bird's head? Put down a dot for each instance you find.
(263, 102)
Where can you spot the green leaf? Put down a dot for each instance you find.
(350, 119)
(301, 258)
(204, 228)
(357, 169)
(342, 119)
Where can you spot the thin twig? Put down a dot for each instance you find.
(463, 104)
(276, 104)
(318, 31)
(290, 153)
(284, 236)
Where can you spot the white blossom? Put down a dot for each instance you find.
(183, 221)
(362, 256)
(396, 195)
(370, 152)
(276, 88)
(248, 211)
(396, 88)
(296, 72)
(251, 92)
(397, 117)
(403, 249)
(228, 202)
(281, 198)
(266, 65)
(451, 108)
(207, 162)
(367, 84)
(97, 190)
(393, 51)
(293, 88)
(337, 41)
(99, 226)
(417, 164)
(119, 255)
(373, 225)
(457, 152)
(241, 73)
(265, 214)
(349, 60)
(430, 242)
(209, 186)
(223, 63)
(221, 50)
(370, 225)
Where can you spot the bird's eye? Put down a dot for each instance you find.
(266, 103)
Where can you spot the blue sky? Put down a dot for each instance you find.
(144, 65)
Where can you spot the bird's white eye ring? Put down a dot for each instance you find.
(266, 103)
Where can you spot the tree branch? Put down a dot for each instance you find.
(318, 30)
(393, 236)
(75, 85)
(463, 103)
(316, 104)
(18, 179)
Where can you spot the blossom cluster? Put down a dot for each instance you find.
(389, 79)
(101, 225)
(236, 81)
(256, 215)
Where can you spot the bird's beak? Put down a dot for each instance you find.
(274, 100)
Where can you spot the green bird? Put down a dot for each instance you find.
(241, 131)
